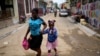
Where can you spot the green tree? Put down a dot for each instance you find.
(56, 5)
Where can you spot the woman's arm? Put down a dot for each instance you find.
(28, 30)
(45, 31)
(44, 26)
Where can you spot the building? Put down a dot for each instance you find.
(66, 5)
(42, 6)
(49, 5)
(90, 9)
(8, 13)
(25, 6)
(11, 10)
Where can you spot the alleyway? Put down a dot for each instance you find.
(71, 41)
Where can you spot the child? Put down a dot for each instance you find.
(52, 37)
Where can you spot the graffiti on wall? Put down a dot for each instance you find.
(92, 10)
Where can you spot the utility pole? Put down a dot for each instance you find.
(81, 4)
(38, 2)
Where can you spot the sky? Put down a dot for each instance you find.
(59, 1)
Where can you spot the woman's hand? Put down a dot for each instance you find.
(41, 31)
(30, 38)
(25, 37)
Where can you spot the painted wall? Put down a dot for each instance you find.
(92, 10)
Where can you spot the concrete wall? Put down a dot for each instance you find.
(5, 23)
(67, 5)
(16, 17)
(73, 9)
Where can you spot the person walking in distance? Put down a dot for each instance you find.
(52, 37)
(35, 39)
(55, 12)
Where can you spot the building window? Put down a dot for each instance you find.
(27, 6)
(73, 3)
(9, 7)
(90, 1)
(6, 9)
(84, 2)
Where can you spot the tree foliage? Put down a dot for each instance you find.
(56, 5)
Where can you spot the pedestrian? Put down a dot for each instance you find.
(78, 6)
(35, 39)
(55, 12)
(23, 19)
(52, 37)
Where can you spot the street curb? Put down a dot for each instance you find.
(86, 30)
(11, 32)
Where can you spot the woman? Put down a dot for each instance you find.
(35, 39)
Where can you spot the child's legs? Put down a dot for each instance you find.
(55, 50)
(49, 47)
(56, 53)
(54, 45)
(49, 51)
